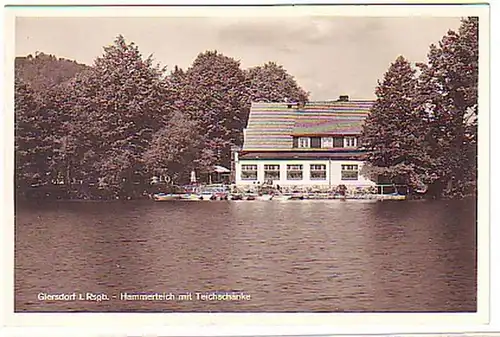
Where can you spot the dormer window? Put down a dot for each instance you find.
(350, 142)
(304, 142)
(327, 142)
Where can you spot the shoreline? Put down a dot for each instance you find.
(148, 200)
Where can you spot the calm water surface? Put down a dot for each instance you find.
(295, 256)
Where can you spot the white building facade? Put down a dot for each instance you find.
(306, 173)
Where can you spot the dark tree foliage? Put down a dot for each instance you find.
(46, 77)
(272, 83)
(177, 75)
(116, 108)
(177, 149)
(31, 146)
(448, 94)
(394, 133)
(214, 95)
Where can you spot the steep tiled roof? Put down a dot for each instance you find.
(306, 125)
(271, 126)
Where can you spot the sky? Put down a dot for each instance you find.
(328, 56)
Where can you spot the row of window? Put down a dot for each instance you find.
(296, 172)
(325, 142)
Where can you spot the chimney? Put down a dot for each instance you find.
(343, 98)
(296, 105)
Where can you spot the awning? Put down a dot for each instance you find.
(221, 169)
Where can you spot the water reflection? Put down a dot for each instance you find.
(290, 256)
(419, 251)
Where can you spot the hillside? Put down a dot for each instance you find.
(43, 71)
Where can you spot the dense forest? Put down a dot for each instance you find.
(104, 130)
(124, 119)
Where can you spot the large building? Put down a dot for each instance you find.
(312, 145)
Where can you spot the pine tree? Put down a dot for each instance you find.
(393, 132)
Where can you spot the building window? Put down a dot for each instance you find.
(271, 172)
(318, 172)
(315, 142)
(338, 142)
(248, 172)
(327, 142)
(294, 172)
(349, 172)
(304, 142)
(350, 142)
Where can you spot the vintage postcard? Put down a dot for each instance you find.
(274, 165)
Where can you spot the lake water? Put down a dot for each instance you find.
(295, 256)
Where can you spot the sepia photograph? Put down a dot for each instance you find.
(287, 161)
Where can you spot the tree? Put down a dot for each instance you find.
(214, 95)
(31, 146)
(46, 77)
(271, 83)
(176, 82)
(448, 96)
(177, 75)
(65, 135)
(394, 133)
(117, 106)
(177, 149)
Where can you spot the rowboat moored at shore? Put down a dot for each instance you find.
(166, 197)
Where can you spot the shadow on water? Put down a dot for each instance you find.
(289, 256)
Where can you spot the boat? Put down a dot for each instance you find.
(207, 196)
(190, 197)
(214, 192)
(264, 197)
(236, 196)
(281, 197)
(166, 196)
(387, 197)
(288, 196)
